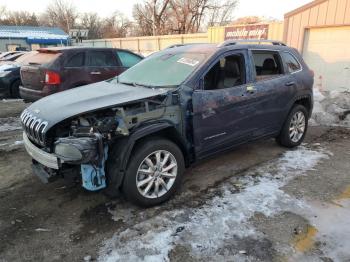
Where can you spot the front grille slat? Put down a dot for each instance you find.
(34, 127)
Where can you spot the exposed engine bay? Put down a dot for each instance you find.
(85, 139)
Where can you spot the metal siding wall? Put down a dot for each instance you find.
(340, 12)
(331, 12)
(314, 15)
(4, 42)
(322, 13)
(216, 34)
(347, 13)
(289, 30)
(305, 16)
(147, 44)
(295, 31)
(328, 13)
(276, 31)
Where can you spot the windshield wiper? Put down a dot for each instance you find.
(147, 86)
(136, 84)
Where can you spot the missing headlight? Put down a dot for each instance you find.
(77, 149)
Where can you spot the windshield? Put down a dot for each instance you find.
(162, 69)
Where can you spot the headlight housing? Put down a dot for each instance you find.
(68, 151)
(76, 149)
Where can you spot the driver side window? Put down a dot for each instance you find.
(227, 72)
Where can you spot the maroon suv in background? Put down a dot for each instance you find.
(57, 69)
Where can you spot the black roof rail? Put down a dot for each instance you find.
(254, 41)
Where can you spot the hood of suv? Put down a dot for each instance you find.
(63, 105)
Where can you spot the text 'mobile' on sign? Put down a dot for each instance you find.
(247, 32)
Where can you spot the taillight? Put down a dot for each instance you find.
(52, 78)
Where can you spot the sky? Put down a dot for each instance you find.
(268, 8)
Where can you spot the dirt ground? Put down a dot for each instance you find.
(259, 202)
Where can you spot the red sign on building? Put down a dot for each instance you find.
(247, 32)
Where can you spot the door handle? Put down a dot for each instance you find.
(251, 89)
(291, 83)
(95, 73)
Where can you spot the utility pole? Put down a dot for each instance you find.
(154, 17)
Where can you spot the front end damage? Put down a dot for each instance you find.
(78, 147)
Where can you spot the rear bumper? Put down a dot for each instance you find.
(44, 158)
(30, 94)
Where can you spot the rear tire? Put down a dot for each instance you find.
(14, 89)
(294, 128)
(154, 172)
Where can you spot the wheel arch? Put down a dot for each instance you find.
(122, 149)
(305, 101)
(13, 81)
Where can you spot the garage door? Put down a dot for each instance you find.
(327, 52)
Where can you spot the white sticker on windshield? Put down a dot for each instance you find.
(188, 61)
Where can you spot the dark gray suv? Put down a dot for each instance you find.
(138, 132)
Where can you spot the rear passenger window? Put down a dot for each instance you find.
(227, 72)
(290, 62)
(127, 59)
(101, 58)
(267, 64)
(76, 60)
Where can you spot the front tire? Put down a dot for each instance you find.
(154, 172)
(295, 127)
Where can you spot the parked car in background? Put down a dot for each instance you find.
(54, 70)
(11, 57)
(10, 78)
(8, 53)
(176, 107)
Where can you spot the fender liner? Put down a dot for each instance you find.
(300, 97)
(294, 100)
(121, 151)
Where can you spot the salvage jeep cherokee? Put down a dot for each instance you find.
(137, 132)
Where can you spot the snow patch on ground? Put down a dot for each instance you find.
(205, 230)
(331, 108)
(10, 124)
(333, 229)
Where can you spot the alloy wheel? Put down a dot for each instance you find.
(156, 174)
(297, 126)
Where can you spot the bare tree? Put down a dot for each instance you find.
(151, 16)
(143, 16)
(116, 25)
(220, 12)
(60, 13)
(252, 20)
(17, 17)
(93, 23)
(188, 15)
(181, 16)
(22, 18)
(2, 12)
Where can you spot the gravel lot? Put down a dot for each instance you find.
(259, 202)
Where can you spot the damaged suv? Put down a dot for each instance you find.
(136, 133)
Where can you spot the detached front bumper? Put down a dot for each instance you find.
(77, 151)
(44, 158)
